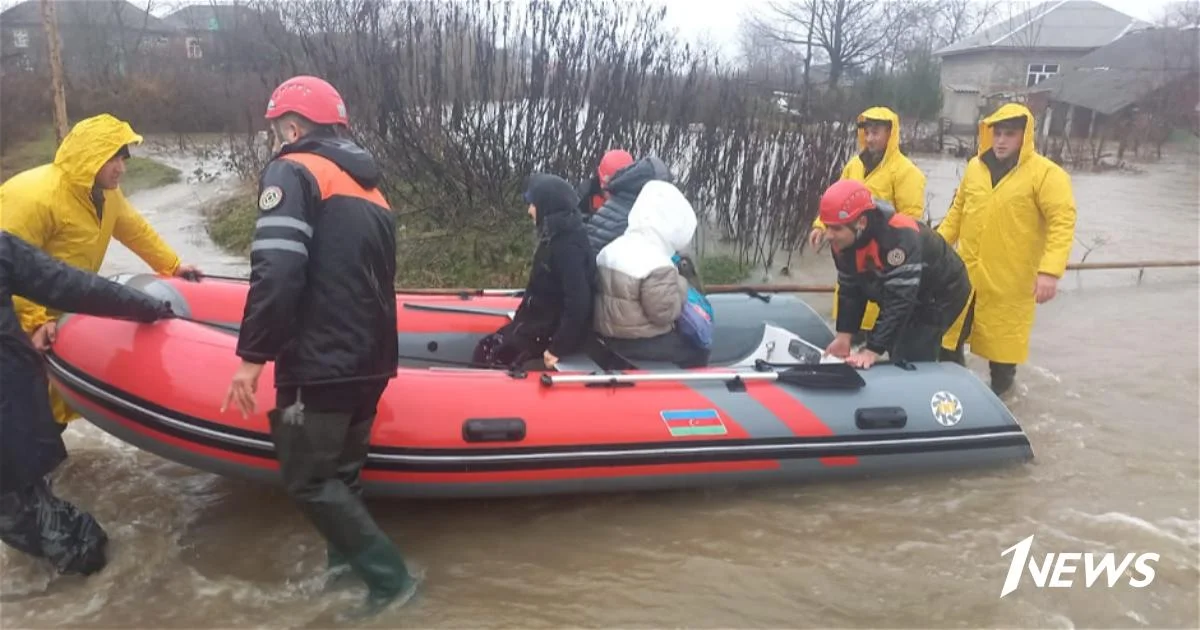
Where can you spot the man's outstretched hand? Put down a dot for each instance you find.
(189, 272)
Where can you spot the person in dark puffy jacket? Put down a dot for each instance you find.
(610, 221)
(554, 318)
(32, 518)
(591, 190)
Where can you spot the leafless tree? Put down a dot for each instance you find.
(1180, 14)
(949, 21)
(846, 34)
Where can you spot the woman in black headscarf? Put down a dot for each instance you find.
(555, 316)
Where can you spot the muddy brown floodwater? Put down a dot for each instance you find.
(1109, 399)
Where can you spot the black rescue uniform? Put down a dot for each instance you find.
(32, 518)
(322, 306)
(918, 280)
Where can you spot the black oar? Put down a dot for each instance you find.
(829, 376)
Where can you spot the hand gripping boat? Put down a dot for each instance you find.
(766, 410)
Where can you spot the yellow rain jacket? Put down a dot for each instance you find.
(51, 207)
(895, 180)
(1007, 235)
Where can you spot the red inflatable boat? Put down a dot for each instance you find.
(447, 430)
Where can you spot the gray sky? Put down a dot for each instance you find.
(720, 19)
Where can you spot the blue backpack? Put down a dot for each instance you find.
(696, 320)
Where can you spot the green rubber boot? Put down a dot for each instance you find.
(389, 583)
(337, 570)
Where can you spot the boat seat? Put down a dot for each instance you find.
(774, 345)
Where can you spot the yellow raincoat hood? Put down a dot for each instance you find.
(881, 113)
(51, 208)
(1011, 110)
(1007, 232)
(92, 142)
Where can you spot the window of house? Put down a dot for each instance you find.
(193, 48)
(1039, 72)
(21, 38)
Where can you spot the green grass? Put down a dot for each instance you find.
(722, 270)
(144, 174)
(140, 173)
(230, 222)
(492, 256)
(26, 155)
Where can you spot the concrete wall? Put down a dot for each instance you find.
(991, 72)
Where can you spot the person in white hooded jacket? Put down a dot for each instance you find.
(641, 292)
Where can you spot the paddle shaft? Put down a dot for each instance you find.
(605, 379)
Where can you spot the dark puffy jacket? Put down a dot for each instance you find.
(610, 221)
(322, 304)
(30, 443)
(906, 268)
(559, 297)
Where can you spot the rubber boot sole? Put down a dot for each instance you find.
(373, 605)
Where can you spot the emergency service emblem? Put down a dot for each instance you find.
(896, 257)
(270, 197)
(947, 409)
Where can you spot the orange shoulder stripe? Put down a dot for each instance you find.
(332, 180)
(903, 221)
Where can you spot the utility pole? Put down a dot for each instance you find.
(50, 24)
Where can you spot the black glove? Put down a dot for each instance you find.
(587, 189)
(155, 311)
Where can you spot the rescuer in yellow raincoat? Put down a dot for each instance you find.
(1013, 220)
(888, 174)
(71, 209)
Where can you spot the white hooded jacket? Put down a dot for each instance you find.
(641, 291)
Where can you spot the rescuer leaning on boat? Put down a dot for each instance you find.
(917, 279)
(32, 518)
(890, 176)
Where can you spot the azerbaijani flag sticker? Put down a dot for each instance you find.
(688, 422)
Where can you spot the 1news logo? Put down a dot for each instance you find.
(1056, 568)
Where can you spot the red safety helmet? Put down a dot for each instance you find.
(310, 97)
(844, 202)
(613, 161)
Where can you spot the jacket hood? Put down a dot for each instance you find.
(662, 211)
(553, 196)
(1011, 110)
(632, 178)
(92, 142)
(881, 113)
(344, 152)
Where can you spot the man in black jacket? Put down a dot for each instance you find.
(555, 315)
(322, 306)
(919, 282)
(32, 518)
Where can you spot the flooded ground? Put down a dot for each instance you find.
(1109, 399)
